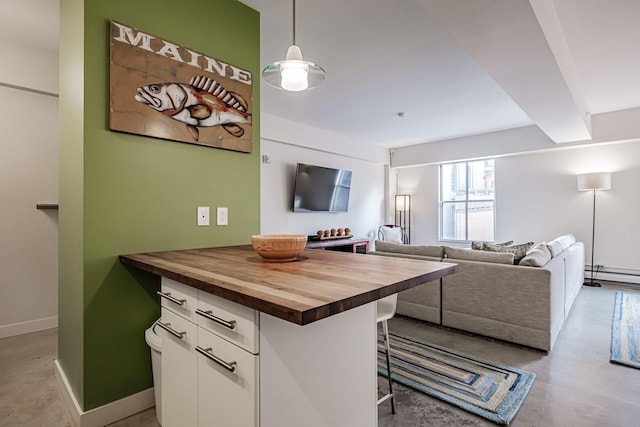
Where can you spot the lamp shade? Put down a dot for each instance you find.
(402, 202)
(594, 181)
(293, 73)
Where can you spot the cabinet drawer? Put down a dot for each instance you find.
(228, 386)
(233, 322)
(179, 298)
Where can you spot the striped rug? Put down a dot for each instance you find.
(625, 330)
(484, 388)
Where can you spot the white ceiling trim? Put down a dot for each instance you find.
(621, 126)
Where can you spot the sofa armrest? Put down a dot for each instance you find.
(574, 273)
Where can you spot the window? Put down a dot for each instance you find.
(467, 201)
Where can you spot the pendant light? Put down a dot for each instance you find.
(294, 73)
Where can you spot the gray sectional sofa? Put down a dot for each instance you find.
(525, 303)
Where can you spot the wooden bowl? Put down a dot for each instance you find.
(279, 247)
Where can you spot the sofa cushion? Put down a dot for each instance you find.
(561, 243)
(477, 246)
(391, 234)
(518, 251)
(538, 256)
(432, 251)
(483, 256)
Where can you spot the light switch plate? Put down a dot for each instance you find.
(203, 215)
(222, 216)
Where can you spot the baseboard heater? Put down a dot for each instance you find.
(613, 274)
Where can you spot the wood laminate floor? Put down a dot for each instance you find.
(575, 385)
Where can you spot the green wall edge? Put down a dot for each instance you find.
(140, 194)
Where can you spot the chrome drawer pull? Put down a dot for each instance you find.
(172, 299)
(230, 366)
(231, 324)
(167, 327)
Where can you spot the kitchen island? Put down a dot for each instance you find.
(306, 329)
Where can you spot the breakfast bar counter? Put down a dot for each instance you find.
(273, 344)
(318, 285)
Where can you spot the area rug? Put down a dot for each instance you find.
(484, 388)
(625, 330)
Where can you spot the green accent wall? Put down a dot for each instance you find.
(70, 222)
(122, 193)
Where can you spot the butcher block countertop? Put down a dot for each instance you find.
(318, 285)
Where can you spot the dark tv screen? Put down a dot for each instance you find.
(320, 189)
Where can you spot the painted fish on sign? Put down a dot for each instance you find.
(150, 94)
(201, 103)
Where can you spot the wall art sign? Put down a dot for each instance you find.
(164, 90)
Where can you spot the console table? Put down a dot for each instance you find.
(350, 244)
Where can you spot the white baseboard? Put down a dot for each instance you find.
(29, 326)
(106, 414)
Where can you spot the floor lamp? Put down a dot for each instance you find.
(403, 216)
(594, 182)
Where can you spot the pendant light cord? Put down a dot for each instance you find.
(294, 22)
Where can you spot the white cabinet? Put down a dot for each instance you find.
(227, 383)
(226, 365)
(179, 298)
(179, 370)
(234, 322)
(319, 375)
(210, 363)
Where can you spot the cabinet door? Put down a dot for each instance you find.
(228, 387)
(179, 371)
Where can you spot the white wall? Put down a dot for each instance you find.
(28, 175)
(421, 182)
(26, 67)
(288, 143)
(541, 189)
(537, 199)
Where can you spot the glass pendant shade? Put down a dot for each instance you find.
(294, 73)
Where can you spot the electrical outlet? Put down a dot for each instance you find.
(203, 215)
(599, 266)
(222, 216)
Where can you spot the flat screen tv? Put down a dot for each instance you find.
(320, 189)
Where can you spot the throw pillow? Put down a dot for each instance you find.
(538, 256)
(518, 251)
(477, 246)
(483, 256)
(561, 243)
(392, 234)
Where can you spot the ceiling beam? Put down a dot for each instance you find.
(506, 39)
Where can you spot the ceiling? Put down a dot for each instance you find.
(454, 68)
